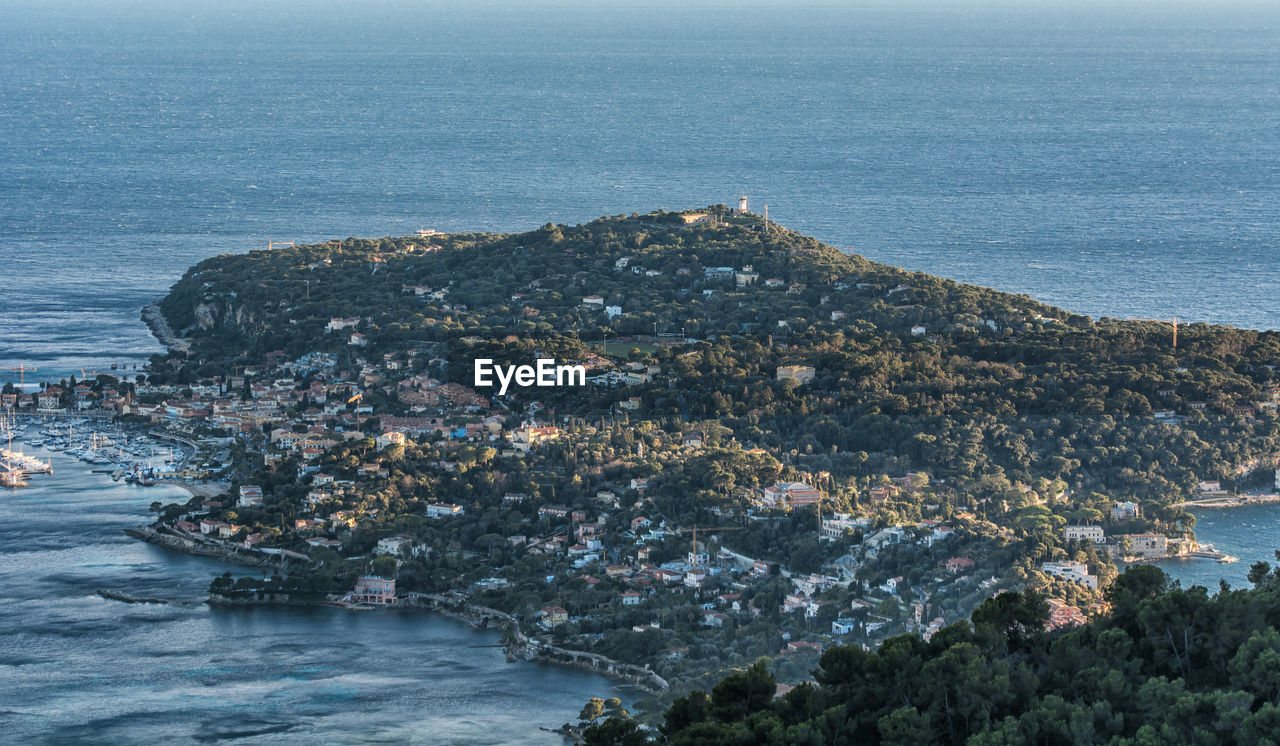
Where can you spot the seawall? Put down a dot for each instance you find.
(188, 545)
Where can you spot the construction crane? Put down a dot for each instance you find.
(22, 372)
(695, 530)
(355, 398)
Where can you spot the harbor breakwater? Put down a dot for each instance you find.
(160, 328)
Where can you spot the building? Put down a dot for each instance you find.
(50, 398)
(1125, 511)
(250, 496)
(526, 438)
(883, 493)
(393, 545)
(841, 525)
(1084, 533)
(800, 374)
(388, 439)
(554, 616)
(1062, 614)
(444, 510)
(371, 589)
(1077, 572)
(337, 324)
(790, 495)
(1148, 545)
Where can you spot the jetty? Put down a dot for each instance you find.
(201, 546)
(159, 327)
(29, 464)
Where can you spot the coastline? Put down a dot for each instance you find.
(161, 330)
(232, 555)
(200, 489)
(1230, 501)
(518, 647)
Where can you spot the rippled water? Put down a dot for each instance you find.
(77, 667)
(1117, 159)
(1251, 533)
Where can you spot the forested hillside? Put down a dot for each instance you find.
(912, 372)
(780, 448)
(1168, 665)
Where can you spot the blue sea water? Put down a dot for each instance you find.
(78, 668)
(1113, 158)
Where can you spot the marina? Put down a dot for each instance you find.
(134, 455)
(84, 598)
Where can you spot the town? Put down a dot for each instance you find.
(687, 510)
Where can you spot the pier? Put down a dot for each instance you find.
(22, 462)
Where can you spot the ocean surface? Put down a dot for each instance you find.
(1117, 159)
(1251, 533)
(75, 667)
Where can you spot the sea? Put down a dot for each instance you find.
(1114, 158)
(79, 668)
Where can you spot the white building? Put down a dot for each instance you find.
(388, 439)
(444, 510)
(1077, 572)
(801, 374)
(1082, 533)
(393, 545)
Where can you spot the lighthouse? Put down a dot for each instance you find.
(742, 205)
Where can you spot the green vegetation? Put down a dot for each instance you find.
(956, 430)
(1167, 665)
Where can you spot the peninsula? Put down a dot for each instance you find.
(780, 448)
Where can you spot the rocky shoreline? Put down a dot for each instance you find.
(518, 647)
(234, 555)
(160, 329)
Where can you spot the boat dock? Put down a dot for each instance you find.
(29, 464)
